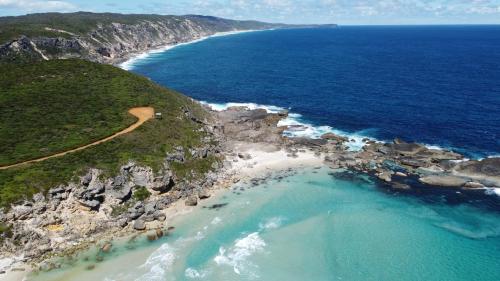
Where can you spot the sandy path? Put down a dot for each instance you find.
(142, 113)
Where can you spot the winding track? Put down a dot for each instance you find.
(142, 113)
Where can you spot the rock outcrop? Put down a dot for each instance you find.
(243, 124)
(96, 203)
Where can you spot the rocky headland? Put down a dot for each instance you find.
(105, 38)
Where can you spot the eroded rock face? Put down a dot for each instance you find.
(119, 188)
(163, 183)
(141, 176)
(91, 192)
(139, 225)
(22, 212)
(136, 211)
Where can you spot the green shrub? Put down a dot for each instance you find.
(57, 105)
(141, 194)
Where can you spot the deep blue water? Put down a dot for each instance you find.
(438, 85)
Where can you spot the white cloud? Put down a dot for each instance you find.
(38, 6)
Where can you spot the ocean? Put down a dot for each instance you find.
(311, 224)
(439, 85)
(436, 85)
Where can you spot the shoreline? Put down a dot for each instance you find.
(127, 63)
(294, 119)
(304, 128)
(264, 160)
(246, 162)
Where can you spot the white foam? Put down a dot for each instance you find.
(195, 274)
(249, 105)
(272, 223)
(216, 221)
(158, 263)
(492, 191)
(199, 235)
(433, 146)
(297, 126)
(130, 63)
(237, 255)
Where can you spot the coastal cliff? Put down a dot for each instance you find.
(105, 38)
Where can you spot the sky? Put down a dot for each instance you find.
(347, 12)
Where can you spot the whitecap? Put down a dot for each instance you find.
(271, 223)
(199, 235)
(195, 274)
(492, 191)
(216, 221)
(237, 255)
(296, 125)
(249, 105)
(158, 263)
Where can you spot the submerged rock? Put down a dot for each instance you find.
(385, 176)
(106, 248)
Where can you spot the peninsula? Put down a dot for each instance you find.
(58, 92)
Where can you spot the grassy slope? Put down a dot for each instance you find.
(53, 105)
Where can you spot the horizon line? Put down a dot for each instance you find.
(270, 22)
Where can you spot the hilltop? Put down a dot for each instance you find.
(53, 106)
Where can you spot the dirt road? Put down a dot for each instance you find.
(142, 113)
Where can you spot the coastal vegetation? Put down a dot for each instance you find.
(80, 23)
(52, 106)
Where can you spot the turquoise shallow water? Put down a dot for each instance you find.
(310, 225)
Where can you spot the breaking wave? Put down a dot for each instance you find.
(158, 263)
(237, 256)
(272, 223)
(297, 125)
